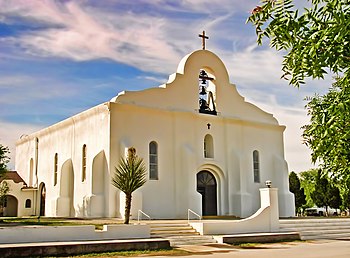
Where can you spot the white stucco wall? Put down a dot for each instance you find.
(20, 194)
(35, 234)
(266, 219)
(169, 116)
(67, 139)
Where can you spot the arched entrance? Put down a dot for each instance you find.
(10, 206)
(42, 200)
(207, 187)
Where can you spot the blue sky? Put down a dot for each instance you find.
(58, 58)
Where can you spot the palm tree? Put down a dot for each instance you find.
(130, 174)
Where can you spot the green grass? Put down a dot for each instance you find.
(45, 221)
(161, 252)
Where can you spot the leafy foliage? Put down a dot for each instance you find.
(308, 181)
(328, 134)
(4, 159)
(325, 193)
(4, 189)
(295, 188)
(346, 195)
(317, 40)
(129, 175)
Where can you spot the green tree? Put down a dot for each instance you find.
(295, 188)
(328, 134)
(346, 195)
(308, 181)
(4, 187)
(130, 174)
(316, 40)
(325, 194)
(4, 159)
(335, 200)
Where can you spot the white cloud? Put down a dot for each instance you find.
(86, 33)
(28, 89)
(151, 41)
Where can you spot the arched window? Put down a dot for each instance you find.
(28, 203)
(208, 146)
(55, 170)
(153, 161)
(256, 166)
(31, 171)
(83, 166)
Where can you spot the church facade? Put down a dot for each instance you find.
(205, 147)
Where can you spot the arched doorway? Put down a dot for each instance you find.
(10, 206)
(207, 187)
(42, 200)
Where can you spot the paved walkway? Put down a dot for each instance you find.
(310, 249)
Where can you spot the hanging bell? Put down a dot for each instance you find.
(203, 91)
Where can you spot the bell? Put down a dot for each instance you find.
(203, 74)
(203, 91)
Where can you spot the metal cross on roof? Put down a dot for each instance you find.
(204, 37)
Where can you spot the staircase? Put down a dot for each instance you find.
(318, 228)
(178, 233)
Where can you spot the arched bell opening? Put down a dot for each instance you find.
(207, 93)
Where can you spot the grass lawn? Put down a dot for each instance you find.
(46, 221)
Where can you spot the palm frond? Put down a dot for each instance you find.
(130, 174)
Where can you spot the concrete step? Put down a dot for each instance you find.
(179, 234)
(326, 236)
(318, 228)
(174, 232)
(191, 240)
(171, 235)
(313, 221)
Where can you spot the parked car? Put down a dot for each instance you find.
(316, 211)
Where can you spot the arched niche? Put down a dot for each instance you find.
(65, 202)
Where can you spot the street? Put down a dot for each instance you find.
(309, 249)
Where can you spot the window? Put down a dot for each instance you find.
(256, 166)
(28, 203)
(153, 161)
(208, 146)
(83, 166)
(55, 170)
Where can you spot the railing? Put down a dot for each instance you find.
(189, 211)
(140, 213)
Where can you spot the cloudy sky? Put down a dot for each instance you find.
(60, 57)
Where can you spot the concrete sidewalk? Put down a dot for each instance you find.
(310, 249)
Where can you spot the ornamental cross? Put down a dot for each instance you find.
(204, 37)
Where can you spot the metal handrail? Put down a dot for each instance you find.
(142, 213)
(191, 211)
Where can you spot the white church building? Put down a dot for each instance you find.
(205, 147)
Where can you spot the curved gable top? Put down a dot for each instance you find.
(181, 92)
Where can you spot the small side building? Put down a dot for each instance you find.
(20, 200)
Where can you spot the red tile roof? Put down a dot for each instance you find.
(14, 176)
